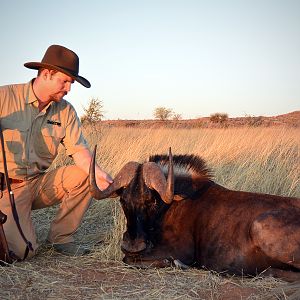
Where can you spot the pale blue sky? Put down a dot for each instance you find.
(196, 57)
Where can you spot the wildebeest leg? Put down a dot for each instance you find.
(277, 234)
(136, 261)
(282, 274)
(153, 263)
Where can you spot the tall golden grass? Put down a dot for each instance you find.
(254, 159)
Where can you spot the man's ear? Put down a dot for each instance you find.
(45, 73)
(51, 73)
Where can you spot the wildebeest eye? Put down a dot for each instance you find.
(151, 205)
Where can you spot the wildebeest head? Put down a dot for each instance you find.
(142, 188)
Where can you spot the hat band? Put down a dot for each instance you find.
(71, 71)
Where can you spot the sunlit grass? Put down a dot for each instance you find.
(254, 159)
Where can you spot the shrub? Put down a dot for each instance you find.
(218, 118)
(93, 112)
(162, 113)
(254, 121)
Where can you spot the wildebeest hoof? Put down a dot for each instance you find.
(179, 264)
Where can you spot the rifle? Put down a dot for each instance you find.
(9, 256)
(4, 252)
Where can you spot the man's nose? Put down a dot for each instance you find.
(68, 86)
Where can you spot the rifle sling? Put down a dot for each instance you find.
(12, 199)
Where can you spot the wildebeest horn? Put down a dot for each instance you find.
(121, 180)
(155, 179)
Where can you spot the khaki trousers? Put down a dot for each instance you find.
(67, 186)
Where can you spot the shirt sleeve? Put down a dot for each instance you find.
(74, 140)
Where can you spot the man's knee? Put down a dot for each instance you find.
(76, 177)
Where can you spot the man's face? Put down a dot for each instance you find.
(59, 85)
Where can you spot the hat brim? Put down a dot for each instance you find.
(38, 65)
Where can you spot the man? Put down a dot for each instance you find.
(35, 119)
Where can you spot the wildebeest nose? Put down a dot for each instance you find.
(133, 246)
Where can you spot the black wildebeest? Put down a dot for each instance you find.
(188, 219)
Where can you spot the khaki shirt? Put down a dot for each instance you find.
(32, 137)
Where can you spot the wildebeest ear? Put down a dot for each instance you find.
(178, 197)
(155, 179)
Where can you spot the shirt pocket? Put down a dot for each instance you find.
(14, 133)
(48, 140)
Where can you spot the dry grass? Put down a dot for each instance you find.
(50, 276)
(254, 159)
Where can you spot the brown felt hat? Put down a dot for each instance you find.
(61, 59)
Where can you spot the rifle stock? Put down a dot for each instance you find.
(4, 251)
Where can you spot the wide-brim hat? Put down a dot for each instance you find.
(63, 60)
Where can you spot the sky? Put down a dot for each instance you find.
(196, 57)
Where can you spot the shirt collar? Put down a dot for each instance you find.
(30, 96)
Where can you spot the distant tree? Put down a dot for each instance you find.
(93, 112)
(162, 113)
(218, 118)
(176, 117)
(254, 121)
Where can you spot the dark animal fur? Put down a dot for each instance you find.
(210, 226)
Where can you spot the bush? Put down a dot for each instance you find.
(254, 121)
(162, 113)
(218, 118)
(93, 112)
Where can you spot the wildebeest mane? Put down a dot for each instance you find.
(192, 165)
(192, 176)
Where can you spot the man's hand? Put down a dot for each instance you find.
(103, 179)
(82, 160)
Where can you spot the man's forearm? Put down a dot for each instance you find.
(82, 160)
